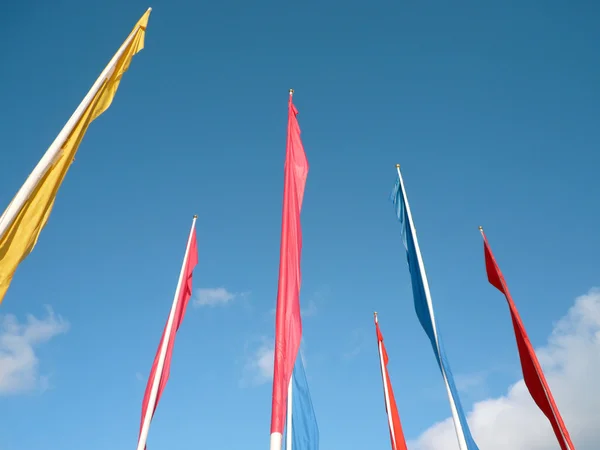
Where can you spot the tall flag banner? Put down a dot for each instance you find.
(288, 323)
(161, 367)
(396, 433)
(532, 371)
(302, 420)
(27, 214)
(425, 313)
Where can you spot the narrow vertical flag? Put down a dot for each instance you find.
(395, 426)
(161, 367)
(28, 212)
(532, 371)
(305, 431)
(425, 313)
(288, 323)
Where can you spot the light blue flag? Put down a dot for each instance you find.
(424, 310)
(305, 431)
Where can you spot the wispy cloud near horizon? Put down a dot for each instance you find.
(214, 297)
(19, 365)
(571, 360)
(357, 344)
(258, 368)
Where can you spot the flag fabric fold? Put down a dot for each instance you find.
(305, 430)
(425, 313)
(288, 323)
(396, 434)
(31, 207)
(161, 366)
(532, 371)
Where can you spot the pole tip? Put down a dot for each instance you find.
(480, 228)
(397, 166)
(291, 91)
(375, 313)
(150, 9)
(195, 216)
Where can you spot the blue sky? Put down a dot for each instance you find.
(491, 108)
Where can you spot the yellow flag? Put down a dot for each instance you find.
(20, 237)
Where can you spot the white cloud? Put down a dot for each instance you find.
(467, 382)
(259, 366)
(474, 385)
(213, 297)
(18, 361)
(571, 362)
(310, 310)
(357, 344)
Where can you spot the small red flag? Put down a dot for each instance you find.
(532, 371)
(396, 433)
(288, 324)
(185, 292)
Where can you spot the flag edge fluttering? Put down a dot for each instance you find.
(283, 364)
(496, 279)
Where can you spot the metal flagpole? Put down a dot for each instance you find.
(53, 151)
(386, 393)
(566, 440)
(462, 444)
(288, 425)
(163, 348)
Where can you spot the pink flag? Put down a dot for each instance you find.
(288, 324)
(178, 310)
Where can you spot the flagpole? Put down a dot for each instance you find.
(163, 348)
(53, 151)
(386, 393)
(288, 435)
(566, 438)
(288, 326)
(457, 424)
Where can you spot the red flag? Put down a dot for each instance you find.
(288, 324)
(532, 371)
(178, 311)
(396, 433)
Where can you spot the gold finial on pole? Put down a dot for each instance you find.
(195, 216)
(291, 91)
(480, 228)
(375, 314)
(397, 166)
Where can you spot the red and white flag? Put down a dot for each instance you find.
(396, 433)
(161, 366)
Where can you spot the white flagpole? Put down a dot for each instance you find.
(547, 394)
(288, 436)
(386, 393)
(163, 349)
(53, 151)
(462, 443)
